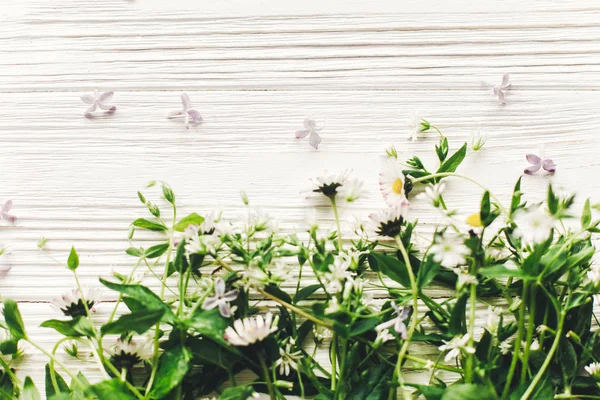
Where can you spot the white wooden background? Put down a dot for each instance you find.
(255, 69)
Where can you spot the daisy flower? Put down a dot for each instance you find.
(391, 182)
(221, 299)
(127, 353)
(388, 222)
(328, 184)
(534, 225)
(593, 369)
(449, 251)
(71, 303)
(288, 359)
(455, 346)
(250, 330)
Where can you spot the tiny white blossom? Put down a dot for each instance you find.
(449, 250)
(71, 302)
(534, 225)
(505, 347)
(455, 346)
(288, 359)
(478, 141)
(333, 306)
(329, 185)
(593, 369)
(250, 330)
(187, 112)
(98, 100)
(352, 190)
(493, 320)
(433, 193)
(464, 277)
(221, 299)
(337, 275)
(397, 322)
(417, 125)
(504, 86)
(310, 130)
(383, 336)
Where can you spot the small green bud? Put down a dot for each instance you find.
(425, 125)
(168, 194)
(244, 197)
(41, 243)
(71, 349)
(153, 208)
(284, 384)
(391, 152)
(130, 232)
(73, 260)
(141, 197)
(151, 183)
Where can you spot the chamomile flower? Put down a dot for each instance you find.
(449, 250)
(250, 330)
(128, 353)
(288, 359)
(534, 225)
(388, 222)
(329, 184)
(391, 182)
(337, 275)
(433, 194)
(71, 302)
(455, 346)
(593, 369)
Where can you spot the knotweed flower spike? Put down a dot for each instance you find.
(98, 100)
(310, 130)
(187, 112)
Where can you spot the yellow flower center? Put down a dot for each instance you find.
(474, 220)
(397, 186)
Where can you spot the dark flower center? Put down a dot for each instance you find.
(390, 228)
(125, 360)
(77, 309)
(328, 190)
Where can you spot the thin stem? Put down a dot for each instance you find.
(529, 337)
(447, 174)
(414, 317)
(54, 360)
(9, 371)
(265, 370)
(513, 364)
(337, 223)
(548, 359)
(333, 354)
(437, 365)
(470, 356)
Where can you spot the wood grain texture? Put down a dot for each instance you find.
(254, 70)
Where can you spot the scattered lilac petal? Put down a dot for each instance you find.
(499, 90)
(538, 162)
(533, 159)
(311, 131)
(98, 100)
(187, 112)
(549, 166)
(4, 209)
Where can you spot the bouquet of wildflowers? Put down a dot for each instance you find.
(243, 310)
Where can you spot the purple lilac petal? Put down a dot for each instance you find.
(91, 109)
(7, 206)
(314, 140)
(174, 114)
(549, 166)
(400, 329)
(533, 159)
(106, 96)
(185, 99)
(196, 117)
(231, 295)
(219, 288)
(405, 313)
(533, 169)
(88, 99)
(505, 79)
(224, 309)
(302, 134)
(210, 303)
(501, 96)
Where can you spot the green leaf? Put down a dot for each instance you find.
(210, 324)
(277, 292)
(13, 319)
(173, 365)
(156, 250)
(486, 214)
(30, 392)
(498, 271)
(73, 260)
(586, 216)
(180, 263)
(9, 346)
(62, 385)
(150, 225)
(192, 219)
(431, 392)
(457, 322)
(390, 266)
(78, 326)
(454, 161)
(144, 296)
(305, 292)
(134, 251)
(568, 359)
(427, 272)
(113, 389)
(468, 391)
(139, 321)
(237, 393)
(552, 201)
(515, 202)
(364, 325)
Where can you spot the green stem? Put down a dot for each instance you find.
(515, 358)
(548, 359)
(470, 357)
(437, 365)
(414, 318)
(337, 223)
(448, 174)
(333, 355)
(265, 370)
(54, 360)
(529, 337)
(10, 373)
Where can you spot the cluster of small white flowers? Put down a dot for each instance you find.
(288, 359)
(337, 275)
(593, 369)
(449, 250)
(433, 194)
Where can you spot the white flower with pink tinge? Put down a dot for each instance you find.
(250, 330)
(98, 100)
(71, 302)
(187, 112)
(310, 129)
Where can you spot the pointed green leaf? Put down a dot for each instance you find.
(13, 319)
(192, 219)
(78, 326)
(452, 163)
(139, 321)
(150, 225)
(30, 392)
(173, 366)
